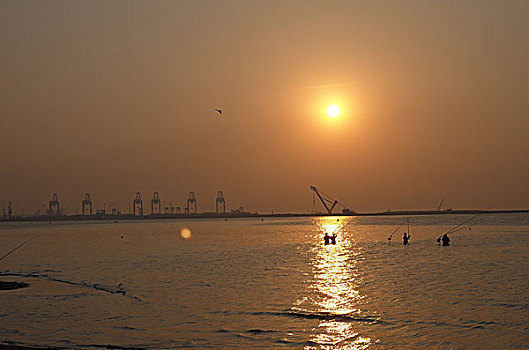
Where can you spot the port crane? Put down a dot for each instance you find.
(440, 204)
(328, 202)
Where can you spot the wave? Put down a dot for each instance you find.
(257, 334)
(97, 286)
(257, 331)
(322, 315)
(251, 331)
(115, 347)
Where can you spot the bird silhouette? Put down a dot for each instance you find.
(218, 111)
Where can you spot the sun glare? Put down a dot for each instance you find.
(185, 233)
(333, 111)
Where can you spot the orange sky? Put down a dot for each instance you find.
(118, 97)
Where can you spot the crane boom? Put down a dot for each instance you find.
(325, 201)
(440, 204)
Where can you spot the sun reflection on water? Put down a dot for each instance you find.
(333, 294)
(330, 229)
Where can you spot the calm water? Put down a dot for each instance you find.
(268, 284)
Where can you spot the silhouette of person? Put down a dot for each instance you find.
(405, 239)
(333, 239)
(326, 239)
(445, 240)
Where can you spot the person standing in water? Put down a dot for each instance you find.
(326, 239)
(405, 238)
(445, 240)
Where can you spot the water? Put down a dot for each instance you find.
(268, 284)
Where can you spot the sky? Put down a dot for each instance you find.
(118, 97)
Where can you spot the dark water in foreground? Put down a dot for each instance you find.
(268, 284)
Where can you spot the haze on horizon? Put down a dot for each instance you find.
(117, 97)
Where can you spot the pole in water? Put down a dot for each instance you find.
(392, 233)
(454, 229)
(409, 233)
(18, 246)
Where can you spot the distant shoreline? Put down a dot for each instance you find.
(24, 347)
(110, 217)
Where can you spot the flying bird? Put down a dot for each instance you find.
(219, 111)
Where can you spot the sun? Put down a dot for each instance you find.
(333, 111)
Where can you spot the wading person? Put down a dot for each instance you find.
(405, 239)
(445, 240)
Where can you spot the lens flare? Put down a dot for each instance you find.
(185, 233)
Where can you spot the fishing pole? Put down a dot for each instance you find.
(461, 224)
(392, 233)
(389, 238)
(342, 227)
(339, 228)
(461, 228)
(408, 220)
(20, 245)
(453, 229)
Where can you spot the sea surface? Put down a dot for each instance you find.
(268, 283)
